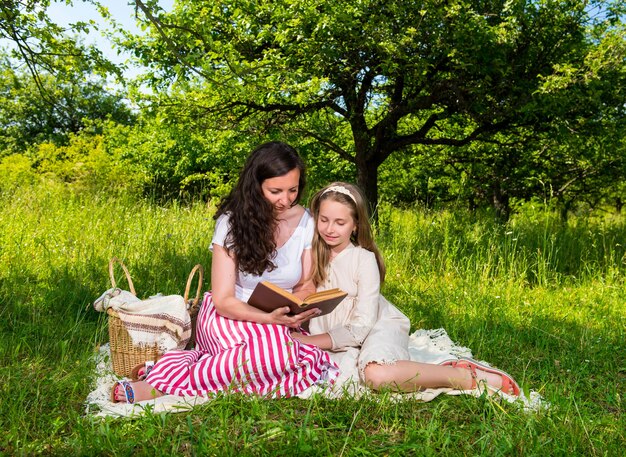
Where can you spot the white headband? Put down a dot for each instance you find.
(341, 190)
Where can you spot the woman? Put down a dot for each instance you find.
(261, 233)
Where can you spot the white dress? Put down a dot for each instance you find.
(365, 326)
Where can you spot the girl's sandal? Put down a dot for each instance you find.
(509, 386)
(141, 370)
(129, 393)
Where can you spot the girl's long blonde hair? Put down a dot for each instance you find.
(362, 237)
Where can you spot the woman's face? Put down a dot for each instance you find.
(282, 191)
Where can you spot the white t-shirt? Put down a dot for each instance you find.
(288, 258)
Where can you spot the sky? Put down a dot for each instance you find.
(120, 10)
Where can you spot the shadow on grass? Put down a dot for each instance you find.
(38, 313)
(561, 358)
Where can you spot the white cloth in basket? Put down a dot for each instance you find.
(162, 320)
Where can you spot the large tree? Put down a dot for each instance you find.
(395, 73)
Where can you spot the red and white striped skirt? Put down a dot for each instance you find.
(241, 356)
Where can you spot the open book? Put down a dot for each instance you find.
(267, 297)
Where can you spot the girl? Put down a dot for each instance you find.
(345, 256)
(261, 233)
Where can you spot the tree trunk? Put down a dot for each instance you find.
(501, 203)
(367, 179)
(564, 210)
(471, 203)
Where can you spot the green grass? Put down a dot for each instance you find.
(540, 299)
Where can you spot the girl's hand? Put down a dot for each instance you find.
(281, 316)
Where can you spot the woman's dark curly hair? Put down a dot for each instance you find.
(252, 222)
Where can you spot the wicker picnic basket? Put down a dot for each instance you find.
(124, 354)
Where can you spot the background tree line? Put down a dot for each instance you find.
(479, 103)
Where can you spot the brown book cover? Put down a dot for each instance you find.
(267, 297)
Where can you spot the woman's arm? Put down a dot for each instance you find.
(223, 276)
(305, 287)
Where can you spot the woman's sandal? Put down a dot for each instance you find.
(509, 386)
(129, 393)
(137, 374)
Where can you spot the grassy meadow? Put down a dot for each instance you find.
(541, 299)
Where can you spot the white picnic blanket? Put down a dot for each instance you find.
(162, 319)
(430, 346)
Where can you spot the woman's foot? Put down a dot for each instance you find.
(131, 392)
(482, 375)
(140, 371)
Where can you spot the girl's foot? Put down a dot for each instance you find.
(492, 378)
(131, 392)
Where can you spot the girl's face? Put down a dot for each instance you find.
(282, 191)
(335, 224)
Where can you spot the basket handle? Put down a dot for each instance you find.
(194, 304)
(112, 263)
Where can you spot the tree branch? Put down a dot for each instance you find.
(168, 41)
(326, 142)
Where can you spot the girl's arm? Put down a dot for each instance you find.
(223, 276)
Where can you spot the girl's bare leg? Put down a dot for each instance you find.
(409, 376)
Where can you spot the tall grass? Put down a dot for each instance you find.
(542, 299)
(534, 248)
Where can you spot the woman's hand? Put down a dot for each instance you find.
(281, 316)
